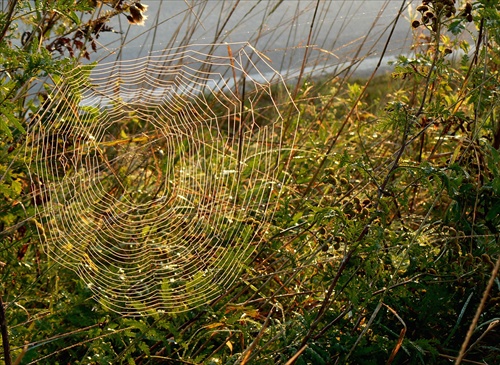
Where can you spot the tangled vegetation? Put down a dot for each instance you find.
(385, 245)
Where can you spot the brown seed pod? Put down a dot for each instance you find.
(429, 15)
(487, 260)
(348, 208)
(332, 180)
(364, 213)
(447, 51)
(422, 8)
(415, 24)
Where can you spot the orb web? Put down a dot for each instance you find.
(155, 179)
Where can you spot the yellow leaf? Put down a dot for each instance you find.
(214, 325)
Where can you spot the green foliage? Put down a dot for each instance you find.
(383, 243)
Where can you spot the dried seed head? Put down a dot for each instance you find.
(136, 16)
(447, 51)
(415, 24)
(141, 7)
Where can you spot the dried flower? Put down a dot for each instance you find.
(136, 14)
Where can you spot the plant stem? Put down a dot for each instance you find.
(8, 19)
(5, 334)
(463, 349)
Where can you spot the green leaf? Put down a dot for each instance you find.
(5, 128)
(12, 119)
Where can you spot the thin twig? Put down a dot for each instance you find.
(401, 335)
(296, 356)
(8, 21)
(252, 346)
(353, 108)
(479, 310)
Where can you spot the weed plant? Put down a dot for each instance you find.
(384, 247)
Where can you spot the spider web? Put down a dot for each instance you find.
(156, 178)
